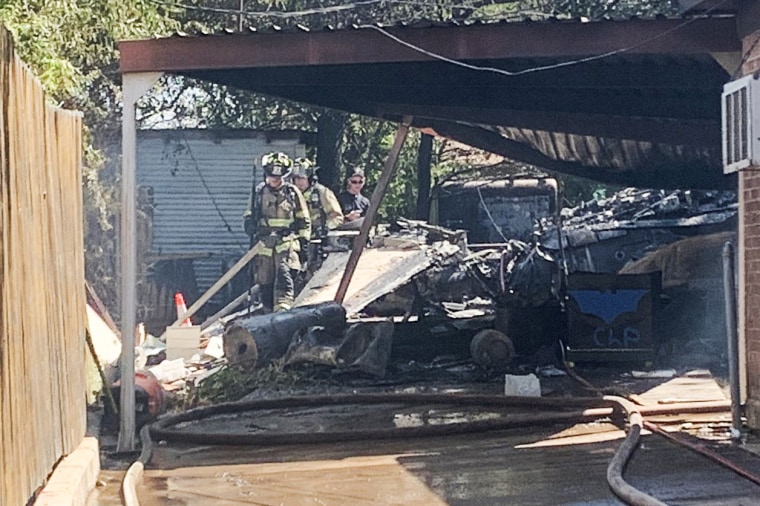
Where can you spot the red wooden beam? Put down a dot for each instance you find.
(570, 39)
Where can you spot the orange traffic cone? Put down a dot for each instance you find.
(179, 301)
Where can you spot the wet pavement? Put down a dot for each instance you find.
(548, 466)
(560, 464)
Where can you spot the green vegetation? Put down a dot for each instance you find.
(232, 383)
(72, 46)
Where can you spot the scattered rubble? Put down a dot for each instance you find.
(498, 307)
(605, 235)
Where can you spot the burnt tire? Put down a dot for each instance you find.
(492, 349)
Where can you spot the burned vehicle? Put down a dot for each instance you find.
(535, 291)
(495, 210)
(474, 283)
(644, 273)
(605, 235)
(441, 295)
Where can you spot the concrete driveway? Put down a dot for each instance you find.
(561, 464)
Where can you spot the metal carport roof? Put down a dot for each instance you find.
(633, 102)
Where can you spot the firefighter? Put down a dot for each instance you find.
(324, 209)
(277, 217)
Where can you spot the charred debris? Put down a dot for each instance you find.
(632, 277)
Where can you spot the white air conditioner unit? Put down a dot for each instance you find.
(741, 124)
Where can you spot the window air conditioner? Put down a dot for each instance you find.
(741, 124)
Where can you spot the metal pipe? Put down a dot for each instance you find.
(729, 291)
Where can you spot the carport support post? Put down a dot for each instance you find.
(424, 156)
(134, 86)
(732, 332)
(374, 204)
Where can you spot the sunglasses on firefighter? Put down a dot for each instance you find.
(356, 181)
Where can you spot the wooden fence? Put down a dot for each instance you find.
(42, 286)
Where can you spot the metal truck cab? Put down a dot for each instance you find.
(493, 211)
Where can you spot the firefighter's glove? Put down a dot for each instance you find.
(248, 225)
(303, 253)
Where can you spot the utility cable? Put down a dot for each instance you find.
(444, 58)
(488, 213)
(543, 67)
(210, 194)
(305, 12)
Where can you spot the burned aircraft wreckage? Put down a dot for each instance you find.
(592, 288)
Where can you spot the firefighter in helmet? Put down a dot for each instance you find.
(277, 217)
(323, 204)
(324, 208)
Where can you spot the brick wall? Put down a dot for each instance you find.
(751, 43)
(750, 198)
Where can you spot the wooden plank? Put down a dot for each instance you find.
(220, 283)
(374, 204)
(7, 447)
(684, 389)
(42, 302)
(101, 308)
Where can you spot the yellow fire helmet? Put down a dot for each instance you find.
(303, 167)
(276, 164)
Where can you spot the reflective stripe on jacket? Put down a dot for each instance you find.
(324, 208)
(283, 214)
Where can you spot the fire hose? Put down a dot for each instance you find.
(576, 410)
(135, 471)
(615, 479)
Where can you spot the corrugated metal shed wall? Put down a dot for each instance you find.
(201, 181)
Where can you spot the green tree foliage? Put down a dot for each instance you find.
(597, 9)
(72, 46)
(365, 141)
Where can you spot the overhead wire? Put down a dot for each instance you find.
(209, 192)
(431, 54)
(305, 12)
(542, 67)
(490, 217)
